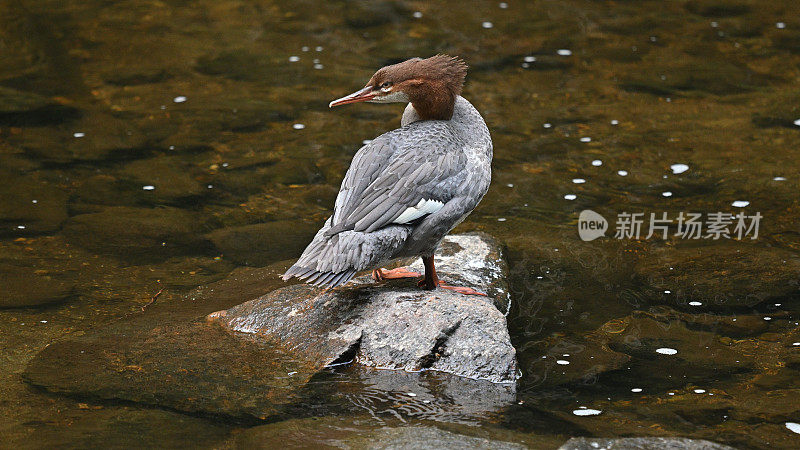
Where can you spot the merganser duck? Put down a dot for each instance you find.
(406, 189)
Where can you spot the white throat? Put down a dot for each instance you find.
(392, 97)
(410, 115)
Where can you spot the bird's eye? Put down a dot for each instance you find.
(386, 86)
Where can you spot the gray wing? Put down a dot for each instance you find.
(403, 187)
(367, 164)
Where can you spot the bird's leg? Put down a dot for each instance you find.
(400, 272)
(431, 280)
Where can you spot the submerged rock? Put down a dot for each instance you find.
(362, 432)
(31, 206)
(138, 234)
(642, 443)
(397, 327)
(420, 438)
(23, 287)
(165, 358)
(263, 243)
(18, 108)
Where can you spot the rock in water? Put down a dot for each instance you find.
(642, 443)
(396, 325)
(165, 357)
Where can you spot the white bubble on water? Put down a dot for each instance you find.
(679, 168)
(666, 351)
(148, 187)
(564, 52)
(740, 203)
(622, 173)
(562, 362)
(78, 134)
(586, 412)
(586, 139)
(570, 197)
(667, 194)
(298, 126)
(597, 163)
(179, 99)
(417, 15)
(487, 25)
(529, 59)
(793, 427)
(578, 180)
(294, 58)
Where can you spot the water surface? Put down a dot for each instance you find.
(153, 147)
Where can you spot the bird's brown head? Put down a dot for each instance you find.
(430, 84)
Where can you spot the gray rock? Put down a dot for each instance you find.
(642, 443)
(422, 438)
(360, 432)
(398, 328)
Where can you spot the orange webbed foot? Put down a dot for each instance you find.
(393, 274)
(460, 289)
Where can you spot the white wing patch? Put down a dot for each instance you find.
(423, 207)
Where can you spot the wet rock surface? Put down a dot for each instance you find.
(643, 443)
(396, 325)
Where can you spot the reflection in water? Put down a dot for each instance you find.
(153, 145)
